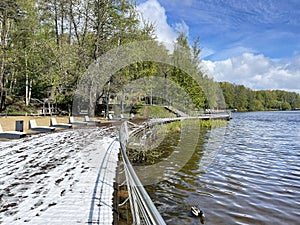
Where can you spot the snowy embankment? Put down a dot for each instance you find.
(59, 178)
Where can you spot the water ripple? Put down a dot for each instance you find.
(254, 179)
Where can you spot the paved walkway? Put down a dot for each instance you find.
(60, 178)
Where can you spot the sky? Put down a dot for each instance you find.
(255, 43)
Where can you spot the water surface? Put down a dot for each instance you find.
(246, 173)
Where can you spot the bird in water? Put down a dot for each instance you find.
(199, 213)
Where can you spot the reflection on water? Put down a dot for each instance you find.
(249, 176)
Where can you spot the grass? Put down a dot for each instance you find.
(155, 112)
(170, 127)
(213, 123)
(209, 124)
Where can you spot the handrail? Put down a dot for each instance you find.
(142, 207)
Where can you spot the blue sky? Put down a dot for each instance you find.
(250, 42)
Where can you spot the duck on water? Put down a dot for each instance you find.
(198, 213)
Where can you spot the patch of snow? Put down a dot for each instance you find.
(52, 178)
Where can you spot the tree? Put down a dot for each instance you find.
(243, 98)
(229, 95)
(191, 77)
(9, 10)
(27, 44)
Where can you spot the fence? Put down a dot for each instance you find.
(142, 207)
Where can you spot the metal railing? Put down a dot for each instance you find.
(142, 208)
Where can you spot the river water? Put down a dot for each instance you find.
(245, 173)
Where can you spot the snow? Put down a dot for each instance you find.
(59, 178)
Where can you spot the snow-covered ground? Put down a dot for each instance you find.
(59, 178)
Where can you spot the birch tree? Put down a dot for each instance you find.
(8, 14)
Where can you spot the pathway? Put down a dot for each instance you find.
(61, 178)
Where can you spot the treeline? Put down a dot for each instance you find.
(244, 99)
(47, 45)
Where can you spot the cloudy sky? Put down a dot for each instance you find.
(251, 42)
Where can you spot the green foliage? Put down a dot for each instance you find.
(244, 99)
(46, 46)
(211, 124)
(201, 91)
(135, 108)
(8, 16)
(17, 107)
(155, 112)
(173, 127)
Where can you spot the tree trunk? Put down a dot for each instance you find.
(92, 100)
(27, 83)
(29, 91)
(56, 24)
(107, 100)
(62, 14)
(3, 60)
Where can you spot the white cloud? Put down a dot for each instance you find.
(153, 12)
(182, 28)
(231, 51)
(252, 70)
(256, 72)
(206, 52)
(181, 2)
